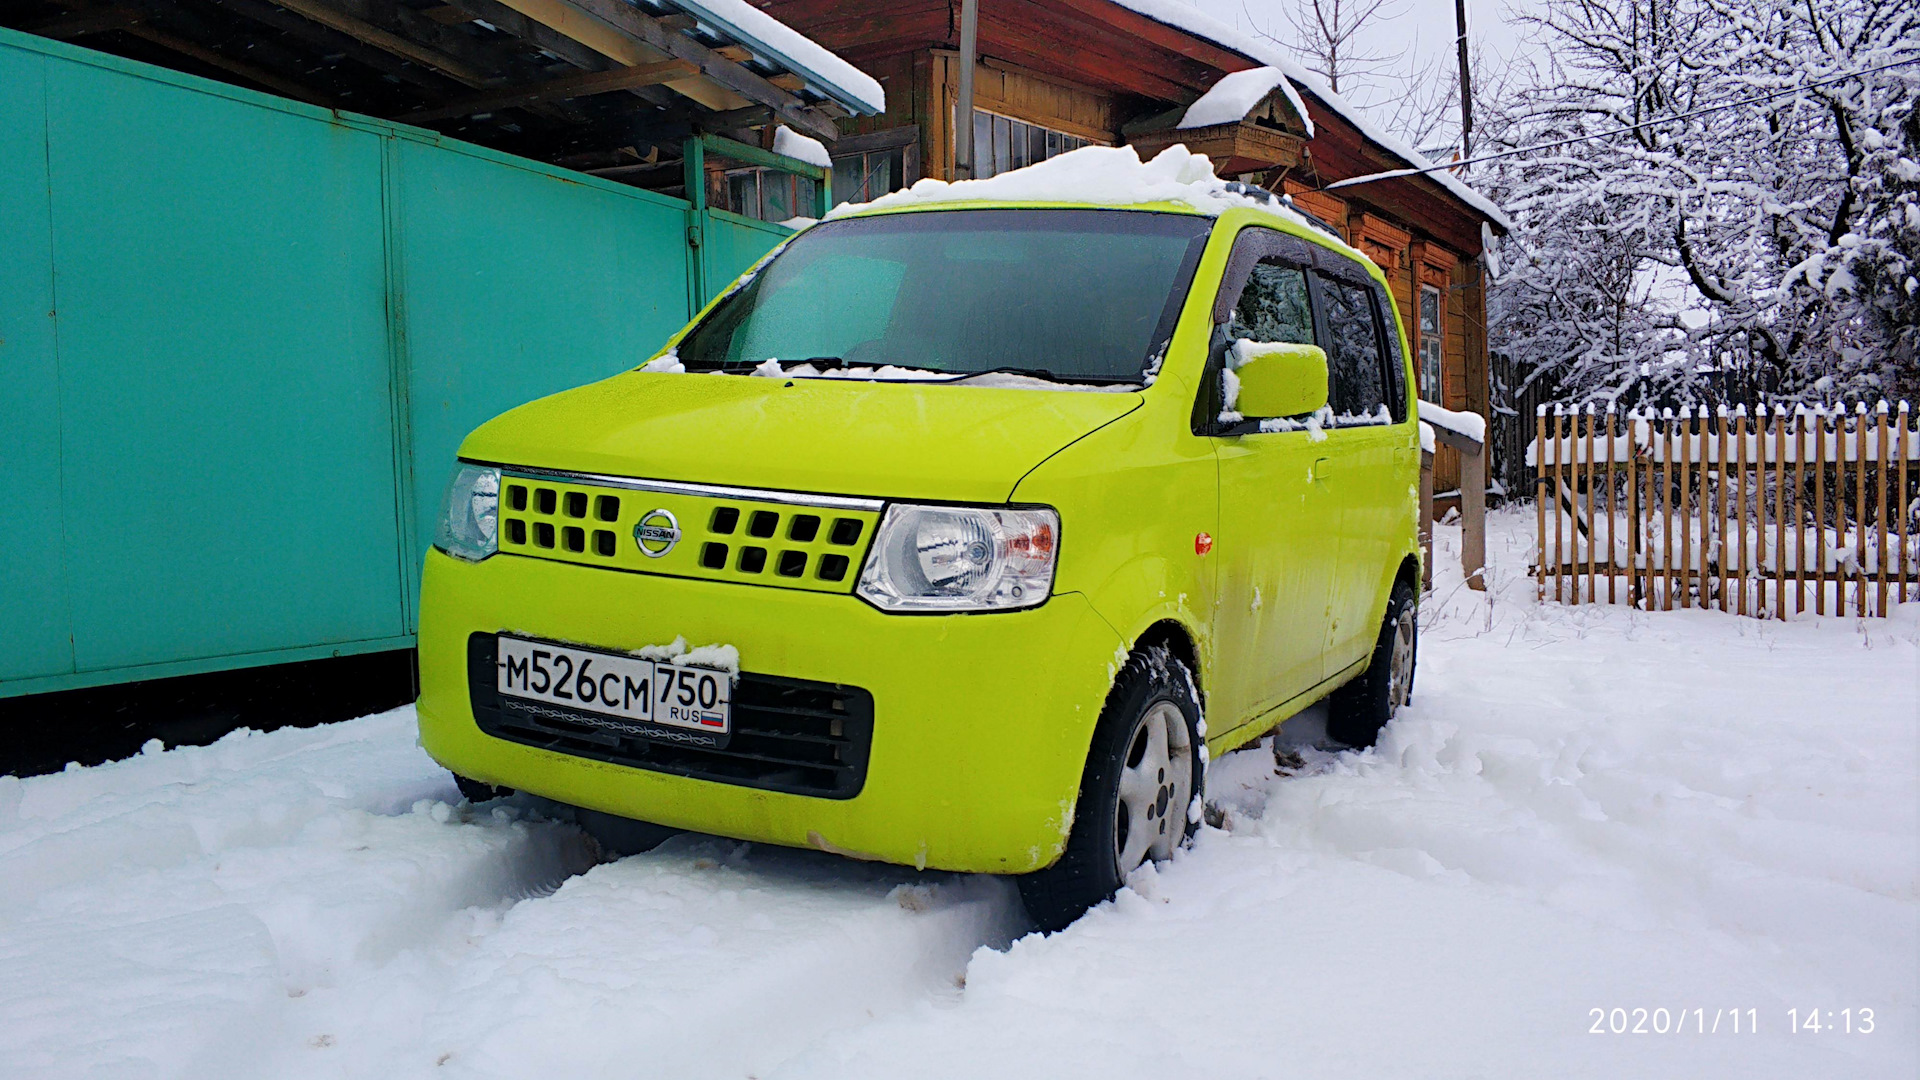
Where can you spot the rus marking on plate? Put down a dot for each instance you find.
(656, 533)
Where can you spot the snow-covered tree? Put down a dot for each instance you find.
(1754, 252)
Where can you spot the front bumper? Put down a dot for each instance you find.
(980, 722)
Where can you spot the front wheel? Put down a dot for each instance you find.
(1358, 710)
(1142, 779)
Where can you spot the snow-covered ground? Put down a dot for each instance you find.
(1584, 809)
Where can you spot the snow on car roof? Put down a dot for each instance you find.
(1101, 176)
(1181, 17)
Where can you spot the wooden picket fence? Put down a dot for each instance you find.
(1762, 514)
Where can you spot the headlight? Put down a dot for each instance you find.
(960, 558)
(469, 526)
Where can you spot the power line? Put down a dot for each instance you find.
(1394, 173)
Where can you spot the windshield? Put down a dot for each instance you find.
(1071, 295)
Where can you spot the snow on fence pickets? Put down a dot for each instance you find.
(1757, 513)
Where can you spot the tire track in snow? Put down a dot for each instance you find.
(308, 903)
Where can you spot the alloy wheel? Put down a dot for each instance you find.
(1156, 784)
(1400, 671)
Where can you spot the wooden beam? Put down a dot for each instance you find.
(386, 40)
(332, 41)
(564, 88)
(618, 43)
(267, 79)
(752, 116)
(87, 21)
(618, 29)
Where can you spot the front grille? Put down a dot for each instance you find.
(718, 538)
(791, 735)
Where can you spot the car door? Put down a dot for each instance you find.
(1277, 544)
(1366, 448)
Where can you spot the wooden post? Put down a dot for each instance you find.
(1860, 504)
(1473, 517)
(1613, 542)
(1559, 549)
(1724, 515)
(1593, 523)
(1900, 502)
(1740, 501)
(1820, 509)
(1779, 510)
(1667, 510)
(1880, 507)
(1634, 546)
(1686, 500)
(1539, 497)
(1799, 509)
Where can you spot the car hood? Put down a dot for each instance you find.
(832, 436)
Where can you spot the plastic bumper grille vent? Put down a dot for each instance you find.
(742, 540)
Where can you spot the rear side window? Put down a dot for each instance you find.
(1354, 361)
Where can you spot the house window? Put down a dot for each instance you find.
(767, 194)
(1001, 143)
(1431, 385)
(863, 177)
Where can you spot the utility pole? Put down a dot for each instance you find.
(963, 163)
(1466, 80)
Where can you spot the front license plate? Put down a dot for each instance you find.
(611, 684)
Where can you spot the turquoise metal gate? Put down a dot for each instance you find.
(241, 338)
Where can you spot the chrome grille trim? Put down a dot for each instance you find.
(674, 487)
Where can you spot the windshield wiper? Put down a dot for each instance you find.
(1043, 373)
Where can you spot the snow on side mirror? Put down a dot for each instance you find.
(1279, 378)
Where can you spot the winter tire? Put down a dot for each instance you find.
(1142, 778)
(1357, 711)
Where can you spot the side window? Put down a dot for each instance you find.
(1430, 344)
(1359, 392)
(1274, 306)
(1396, 359)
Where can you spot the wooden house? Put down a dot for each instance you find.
(1051, 75)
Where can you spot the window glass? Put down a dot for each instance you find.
(1001, 143)
(1273, 306)
(1430, 344)
(1353, 351)
(1084, 294)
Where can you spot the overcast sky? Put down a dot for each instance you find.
(1423, 29)
(1423, 24)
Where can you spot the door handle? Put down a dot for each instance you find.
(1318, 474)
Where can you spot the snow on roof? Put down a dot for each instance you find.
(1236, 94)
(1181, 17)
(795, 145)
(778, 45)
(1102, 176)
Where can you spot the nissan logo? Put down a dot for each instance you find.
(656, 533)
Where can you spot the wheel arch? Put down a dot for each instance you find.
(1175, 637)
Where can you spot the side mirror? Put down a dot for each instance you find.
(1279, 379)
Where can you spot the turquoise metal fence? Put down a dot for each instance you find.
(241, 338)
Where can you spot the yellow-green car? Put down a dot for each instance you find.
(953, 535)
